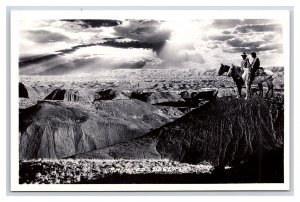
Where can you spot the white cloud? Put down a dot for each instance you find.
(194, 43)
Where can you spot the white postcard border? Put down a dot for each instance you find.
(283, 15)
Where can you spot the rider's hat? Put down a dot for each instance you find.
(244, 54)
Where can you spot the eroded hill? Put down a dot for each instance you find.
(52, 129)
(221, 132)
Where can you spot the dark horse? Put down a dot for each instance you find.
(236, 78)
(237, 75)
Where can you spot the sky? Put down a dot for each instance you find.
(87, 46)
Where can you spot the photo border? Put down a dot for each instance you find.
(13, 86)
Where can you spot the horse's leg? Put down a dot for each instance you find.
(269, 82)
(248, 89)
(261, 90)
(270, 86)
(239, 90)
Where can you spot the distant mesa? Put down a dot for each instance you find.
(60, 129)
(156, 97)
(62, 94)
(23, 91)
(35, 92)
(187, 94)
(190, 99)
(70, 95)
(110, 94)
(57, 94)
(151, 97)
(85, 95)
(205, 94)
(221, 132)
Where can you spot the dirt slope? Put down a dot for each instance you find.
(52, 129)
(222, 132)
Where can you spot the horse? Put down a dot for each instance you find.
(238, 75)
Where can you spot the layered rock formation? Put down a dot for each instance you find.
(70, 95)
(222, 132)
(56, 129)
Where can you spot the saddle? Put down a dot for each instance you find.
(260, 72)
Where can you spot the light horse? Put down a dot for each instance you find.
(238, 75)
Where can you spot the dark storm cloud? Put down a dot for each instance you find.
(239, 43)
(133, 44)
(74, 48)
(112, 38)
(143, 30)
(258, 28)
(237, 50)
(25, 61)
(220, 37)
(94, 23)
(226, 32)
(257, 21)
(269, 47)
(268, 37)
(113, 43)
(43, 36)
(231, 23)
(133, 65)
(226, 23)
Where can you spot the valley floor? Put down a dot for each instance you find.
(148, 127)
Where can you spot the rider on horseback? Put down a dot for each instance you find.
(245, 62)
(252, 71)
(249, 74)
(240, 77)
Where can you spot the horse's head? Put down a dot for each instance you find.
(231, 69)
(223, 69)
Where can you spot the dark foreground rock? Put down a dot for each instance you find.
(222, 132)
(36, 92)
(267, 168)
(23, 93)
(56, 129)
